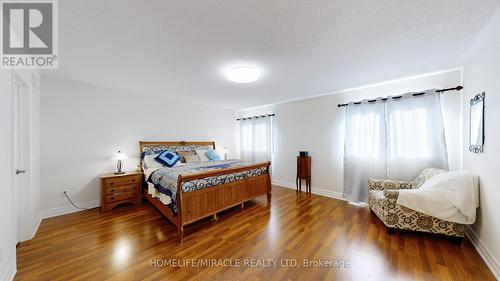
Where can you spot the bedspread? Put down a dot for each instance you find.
(165, 179)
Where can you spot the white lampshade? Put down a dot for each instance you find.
(119, 155)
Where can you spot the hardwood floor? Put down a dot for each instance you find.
(125, 245)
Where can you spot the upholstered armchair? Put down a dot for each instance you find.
(382, 198)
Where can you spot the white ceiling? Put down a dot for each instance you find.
(306, 48)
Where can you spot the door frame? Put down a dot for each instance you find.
(24, 219)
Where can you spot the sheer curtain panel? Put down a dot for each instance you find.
(415, 136)
(256, 139)
(394, 139)
(364, 149)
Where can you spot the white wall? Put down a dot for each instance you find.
(317, 125)
(482, 74)
(83, 125)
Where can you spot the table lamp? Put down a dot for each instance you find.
(119, 157)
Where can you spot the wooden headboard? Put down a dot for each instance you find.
(152, 147)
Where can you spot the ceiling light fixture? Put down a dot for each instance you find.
(242, 74)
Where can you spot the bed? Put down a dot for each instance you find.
(187, 193)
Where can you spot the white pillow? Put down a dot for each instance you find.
(179, 163)
(202, 153)
(149, 162)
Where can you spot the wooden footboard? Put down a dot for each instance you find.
(199, 204)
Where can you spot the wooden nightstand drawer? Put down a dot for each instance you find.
(122, 188)
(124, 180)
(120, 196)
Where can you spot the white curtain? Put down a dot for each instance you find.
(256, 139)
(364, 149)
(396, 139)
(415, 136)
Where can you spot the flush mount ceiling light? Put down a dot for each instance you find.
(242, 74)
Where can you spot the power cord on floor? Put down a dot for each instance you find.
(81, 208)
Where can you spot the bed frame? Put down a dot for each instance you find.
(195, 205)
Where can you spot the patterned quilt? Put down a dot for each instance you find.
(165, 179)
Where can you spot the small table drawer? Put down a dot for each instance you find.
(122, 181)
(120, 196)
(303, 173)
(118, 189)
(122, 188)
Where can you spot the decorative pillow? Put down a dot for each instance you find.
(425, 175)
(168, 158)
(202, 153)
(192, 159)
(182, 154)
(149, 162)
(212, 155)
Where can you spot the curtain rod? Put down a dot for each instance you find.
(457, 88)
(256, 116)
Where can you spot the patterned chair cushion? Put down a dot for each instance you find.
(378, 184)
(425, 175)
(398, 216)
(376, 200)
(382, 199)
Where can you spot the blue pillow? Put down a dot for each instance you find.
(212, 155)
(168, 158)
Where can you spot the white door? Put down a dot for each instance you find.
(21, 157)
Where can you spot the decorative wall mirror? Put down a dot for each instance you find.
(476, 135)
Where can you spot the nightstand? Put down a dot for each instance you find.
(120, 189)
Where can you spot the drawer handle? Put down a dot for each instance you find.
(112, 198)
(111, 183)
(112, 190)
(133, 180)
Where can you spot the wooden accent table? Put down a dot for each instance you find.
(303, 173)
(119, 189)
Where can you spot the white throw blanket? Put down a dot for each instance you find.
(451, 196)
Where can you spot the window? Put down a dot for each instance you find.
(396, 139)
(407, 134)
(365, 132)
(256, 139)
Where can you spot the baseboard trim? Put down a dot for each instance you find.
(483, 251)
(314, 190)
(11, 271)
(36, 225)
(59, 211)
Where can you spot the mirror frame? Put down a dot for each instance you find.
(476, 99)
